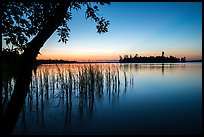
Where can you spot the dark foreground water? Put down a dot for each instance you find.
(114, 99)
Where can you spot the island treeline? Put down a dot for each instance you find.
(49, 61)
(150, 59)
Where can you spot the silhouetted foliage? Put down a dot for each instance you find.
(26, 26)
(150, 59)
(162, 53)
(10, 56)
(10, 64)
(23, 21)
(183, 59)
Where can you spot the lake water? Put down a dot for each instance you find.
(114, 99)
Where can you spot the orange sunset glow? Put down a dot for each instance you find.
(83, 56)
(101, 68)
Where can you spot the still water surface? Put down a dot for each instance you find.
(120, 99)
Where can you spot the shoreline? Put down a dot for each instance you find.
(75, 62)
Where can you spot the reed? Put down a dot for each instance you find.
(41, 82)
(125, 77)
(67, 82)
(46, 82)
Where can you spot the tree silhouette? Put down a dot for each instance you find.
(28, 25)
(150, 59)
(162, 53)
(23, 21)
(136, 55)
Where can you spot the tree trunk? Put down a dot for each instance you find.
(23, 79)
(49, 28)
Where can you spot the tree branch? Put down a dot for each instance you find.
(49, 28)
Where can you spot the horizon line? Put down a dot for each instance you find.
(78, 61)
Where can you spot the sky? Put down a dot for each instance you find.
(143, 28)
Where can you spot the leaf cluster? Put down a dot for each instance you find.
(21, 21)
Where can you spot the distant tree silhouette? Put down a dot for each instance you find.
(162, 53)
(23, 20)
(136, 55)
(183, 59)
(151, 59)
(125, 56)
(120, 57)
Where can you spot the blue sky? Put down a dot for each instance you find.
(145, 28)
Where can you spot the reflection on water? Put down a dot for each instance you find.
(111, 99)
